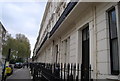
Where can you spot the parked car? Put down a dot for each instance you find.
(18, 65)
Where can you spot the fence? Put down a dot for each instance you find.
(57, 72)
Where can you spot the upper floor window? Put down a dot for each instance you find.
(114, 54)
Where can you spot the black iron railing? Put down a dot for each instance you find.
(57, 72)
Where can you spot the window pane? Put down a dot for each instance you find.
(115, 54)
(87, 31)
(113, 27)
(84, 35)
(113, 42)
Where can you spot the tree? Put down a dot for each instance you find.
(20, 47)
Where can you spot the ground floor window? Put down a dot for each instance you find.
(56, 53)
(114, 54)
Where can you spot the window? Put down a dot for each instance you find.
(56, 54)
(113, 42)
(67, 49)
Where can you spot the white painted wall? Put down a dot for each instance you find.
(95, 15)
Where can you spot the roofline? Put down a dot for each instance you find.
(3, 27)
(43, 19)
(44, 16)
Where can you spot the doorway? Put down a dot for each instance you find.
(85, 54)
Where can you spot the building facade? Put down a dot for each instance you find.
(2, 38)
(87, 33)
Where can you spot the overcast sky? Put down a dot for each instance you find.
(22, 17)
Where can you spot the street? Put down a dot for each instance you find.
(22, 74)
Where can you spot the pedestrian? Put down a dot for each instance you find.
(11, 68)
(23, 65)
(27, 65)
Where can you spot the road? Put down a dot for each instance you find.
(22, 74)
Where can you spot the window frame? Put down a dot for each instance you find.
(113, 72)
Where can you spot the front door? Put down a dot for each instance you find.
(85, 54)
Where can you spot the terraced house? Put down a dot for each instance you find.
(87, 33)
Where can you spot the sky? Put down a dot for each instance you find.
(22, 17)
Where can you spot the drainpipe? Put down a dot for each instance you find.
(95, 40)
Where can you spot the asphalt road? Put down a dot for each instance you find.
(22, 74)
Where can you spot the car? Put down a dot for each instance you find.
(18, 65)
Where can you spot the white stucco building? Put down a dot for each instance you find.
(84, 33)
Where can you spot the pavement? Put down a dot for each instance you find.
(22, 74)
(0, 73)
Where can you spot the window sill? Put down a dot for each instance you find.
(112, 77)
